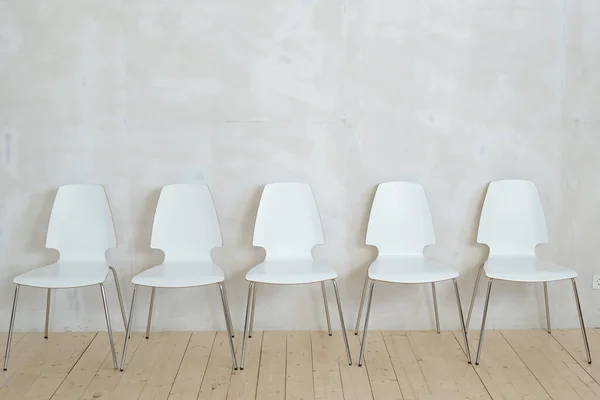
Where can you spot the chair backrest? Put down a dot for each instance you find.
(186, 227)
(288, 224)
(512, 220)
(400, 221)
(81, 224)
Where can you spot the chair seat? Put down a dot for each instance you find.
(526, 269)
(398, 269)
(291, 272)
(64, 275)
(180, 275)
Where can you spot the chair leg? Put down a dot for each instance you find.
(251, 331)
(462, 321)
(485, 310)
(228, 312)
(129, 323)
(477, 280)
(110, 334)
(118, 287)
(11, 327)
(362, 301)
(150, 309)
(585, 339)
(344, 333)
(229, 329)
(326, 308)
(246, 323)
(364, 338)
(435, 307)
(48, 297)
(548, 327)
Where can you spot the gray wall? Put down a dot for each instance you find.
(342, 94)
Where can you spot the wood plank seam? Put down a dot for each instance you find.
(473, 366)
(393, 367)
(180, 362)
(574, 359)
(260, 352)
(412, 349)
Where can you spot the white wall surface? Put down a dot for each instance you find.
(342, 94)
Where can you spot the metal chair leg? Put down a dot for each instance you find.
(364, 338)
(48, 298)
(129, 323)
(362, 300)
(326, 308)
(477, 280)
(246, 323)
(485, 310)
(228, 312)
(435, 307)
(462, 321)
(11, 327)
(585, 339)
(344, 333)
(118, 287)
(547, 307)
(253, 309)
(150, 309)
(229, 328)
(110, 334)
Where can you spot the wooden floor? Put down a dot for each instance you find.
(303, 365)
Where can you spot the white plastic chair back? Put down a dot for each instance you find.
(186, 227)
(288, 224)
(512, 220)
(400, 221)
(81, 225)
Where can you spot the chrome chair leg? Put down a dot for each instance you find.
(435, 307)
(150, 309)
(326, 308)
(118, 287)
(585, 339)
(362, 300)
(129, 323)
(110, 334)
(228, 312)
(229, 328)
(364, 338)
(477, 280)
(247, 321)
(485, 310)
(344, 333)
(11, 327)
(252, 312)
(462, 321)
(547, 307)
(48, 298)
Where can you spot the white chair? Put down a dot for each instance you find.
(81, 228)
(512, 224)
(186, 229)
(288, 226)
(400, 226)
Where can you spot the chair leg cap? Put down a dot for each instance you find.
(331, 334)
(121, 370)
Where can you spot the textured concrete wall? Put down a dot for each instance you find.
(343, 94)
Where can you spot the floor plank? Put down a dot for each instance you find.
(17, 336)
(572, 341)
(326, 367)
(445, 367)
(215, 385)
(406, 366)
(106, 378)
(379, 368)
(299, 376)
(555, 369)
(40, 377)
(193, 367)
(271, 379)
(355, 380)
(20, 354)
(167, 366)
(502, 372)
(243, 383)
